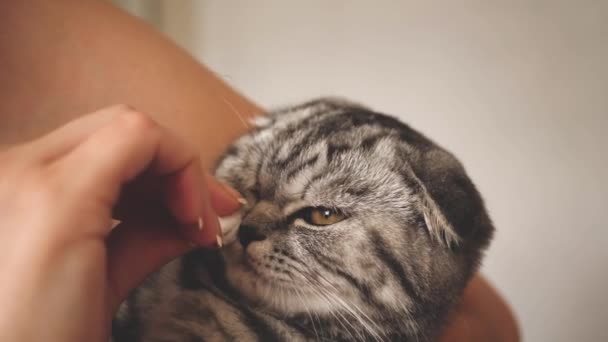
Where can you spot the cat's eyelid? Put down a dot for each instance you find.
(300, 222)
(294, 207)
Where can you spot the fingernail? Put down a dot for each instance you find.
(200, 223)
(235, 194)
(219, 241)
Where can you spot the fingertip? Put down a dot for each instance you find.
(210, 227)
(191, 206)
(185, 195)
(224, 199)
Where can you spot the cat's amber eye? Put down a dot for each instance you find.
(321, 216)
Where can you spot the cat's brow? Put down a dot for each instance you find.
(294, 207)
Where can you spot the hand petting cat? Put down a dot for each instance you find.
(65, 266)
(65, 263)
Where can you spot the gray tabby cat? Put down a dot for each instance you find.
(357, 227)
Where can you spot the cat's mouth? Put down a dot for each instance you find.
(259, 266)
(272, 272)
(273, 278)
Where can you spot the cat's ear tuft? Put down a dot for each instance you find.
(436, 224)
(452, 207)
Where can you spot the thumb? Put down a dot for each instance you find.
(138, 248)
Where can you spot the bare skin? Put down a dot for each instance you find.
(65, 266)
(61, 59)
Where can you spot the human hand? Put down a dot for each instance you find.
(64, 270)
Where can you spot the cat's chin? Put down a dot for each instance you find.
(273, 291)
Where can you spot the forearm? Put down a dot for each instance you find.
(67, 57)
(482, 315)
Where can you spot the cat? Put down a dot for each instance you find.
(356, 228)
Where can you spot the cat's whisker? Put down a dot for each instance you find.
(371, 330)
(333, 296)
(412, 323)
(303, 303)
(369, 319)
(335, 313)
(333, 299)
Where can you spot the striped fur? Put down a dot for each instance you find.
(414, 233)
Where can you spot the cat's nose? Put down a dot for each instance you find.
(247, 234)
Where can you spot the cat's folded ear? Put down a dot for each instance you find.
(436, 223)
(453, 210)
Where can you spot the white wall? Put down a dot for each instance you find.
(518, 90)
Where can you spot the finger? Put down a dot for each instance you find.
(138, 198)
(224, 199)
(62, 140)
(135, 249)
(132, 144)
(185, 191)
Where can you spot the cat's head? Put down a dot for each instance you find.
(350, 210)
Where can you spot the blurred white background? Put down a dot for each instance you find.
(517, 90)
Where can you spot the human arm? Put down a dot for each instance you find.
(481, 315)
